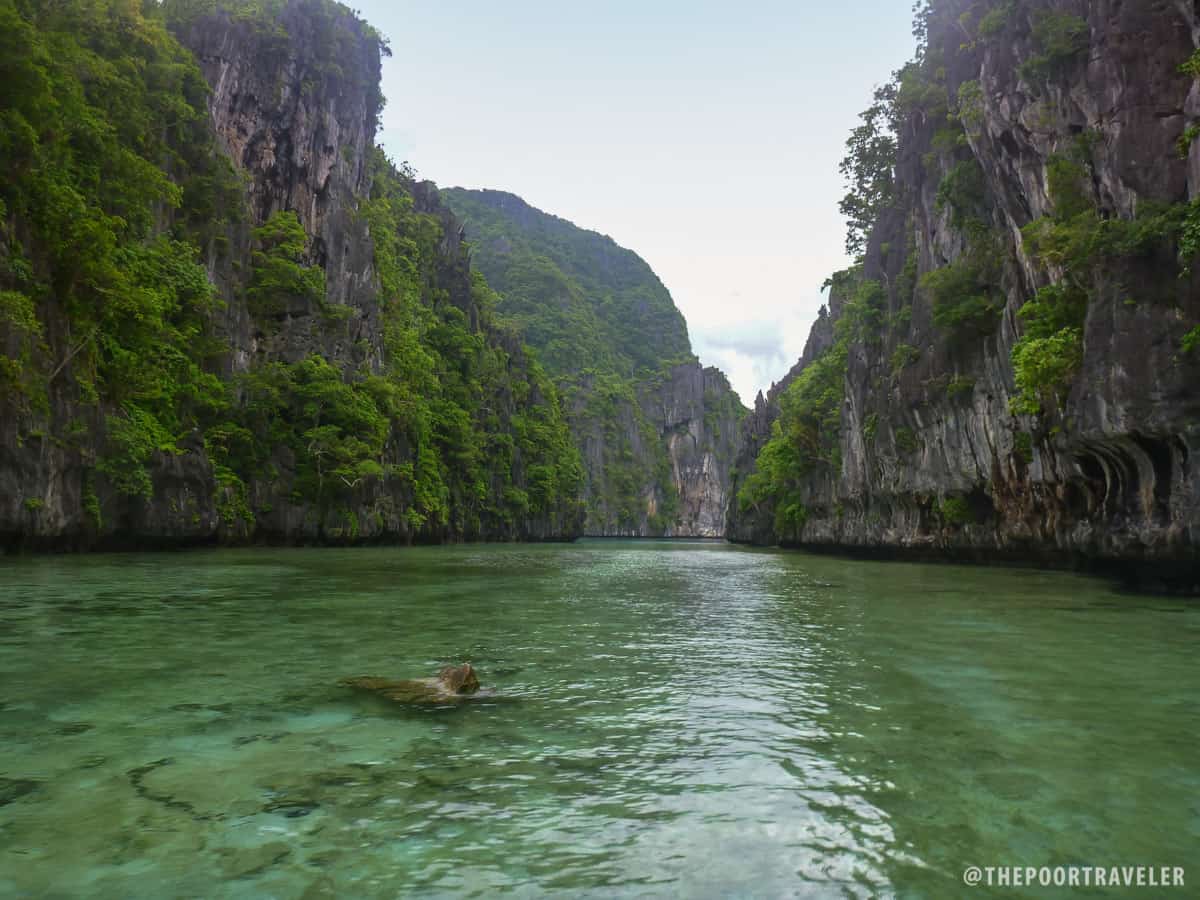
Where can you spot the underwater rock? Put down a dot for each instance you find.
(274, 738)
(452, 683)
(149, 784)
(291, 808)
(241, 863)
(15, 788)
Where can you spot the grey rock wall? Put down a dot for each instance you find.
(659, 464)
(1112, 478)
(697, 415)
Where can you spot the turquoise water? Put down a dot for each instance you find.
(668, 719)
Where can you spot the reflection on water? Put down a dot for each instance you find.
(668, 719)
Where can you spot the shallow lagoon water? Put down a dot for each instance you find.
(669, 719)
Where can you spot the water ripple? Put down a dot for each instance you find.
(668, 720)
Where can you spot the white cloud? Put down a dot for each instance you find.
(753, 353)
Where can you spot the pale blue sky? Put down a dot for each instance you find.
(703, 136)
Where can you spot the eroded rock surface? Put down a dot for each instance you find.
(659, 463)
(1109, 474)
(451, 684)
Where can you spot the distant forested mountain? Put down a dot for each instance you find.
(658, 433)
(583, 301)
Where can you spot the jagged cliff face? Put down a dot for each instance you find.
(1072, 115)
(699, 419)
(657, 434)
(385, 405)
(298, 115)
(657, 462)
(303, 138)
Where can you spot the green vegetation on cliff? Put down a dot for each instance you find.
(869, 169)
(805, 438)
(114, 196)
(1046, 298)
(1090, 252)
(583, 301)
(629, 458)
(108, 184)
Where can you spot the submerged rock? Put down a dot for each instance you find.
(241, 863)
(322, 887)
(14, 788)
(292, 808)
(451, 684)
(245, 739)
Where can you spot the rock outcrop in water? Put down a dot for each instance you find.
(452, 683)
(1012, 369)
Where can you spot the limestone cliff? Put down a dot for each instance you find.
(657, 456)
(332, 372)
(1019, 354)
(302, 133)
